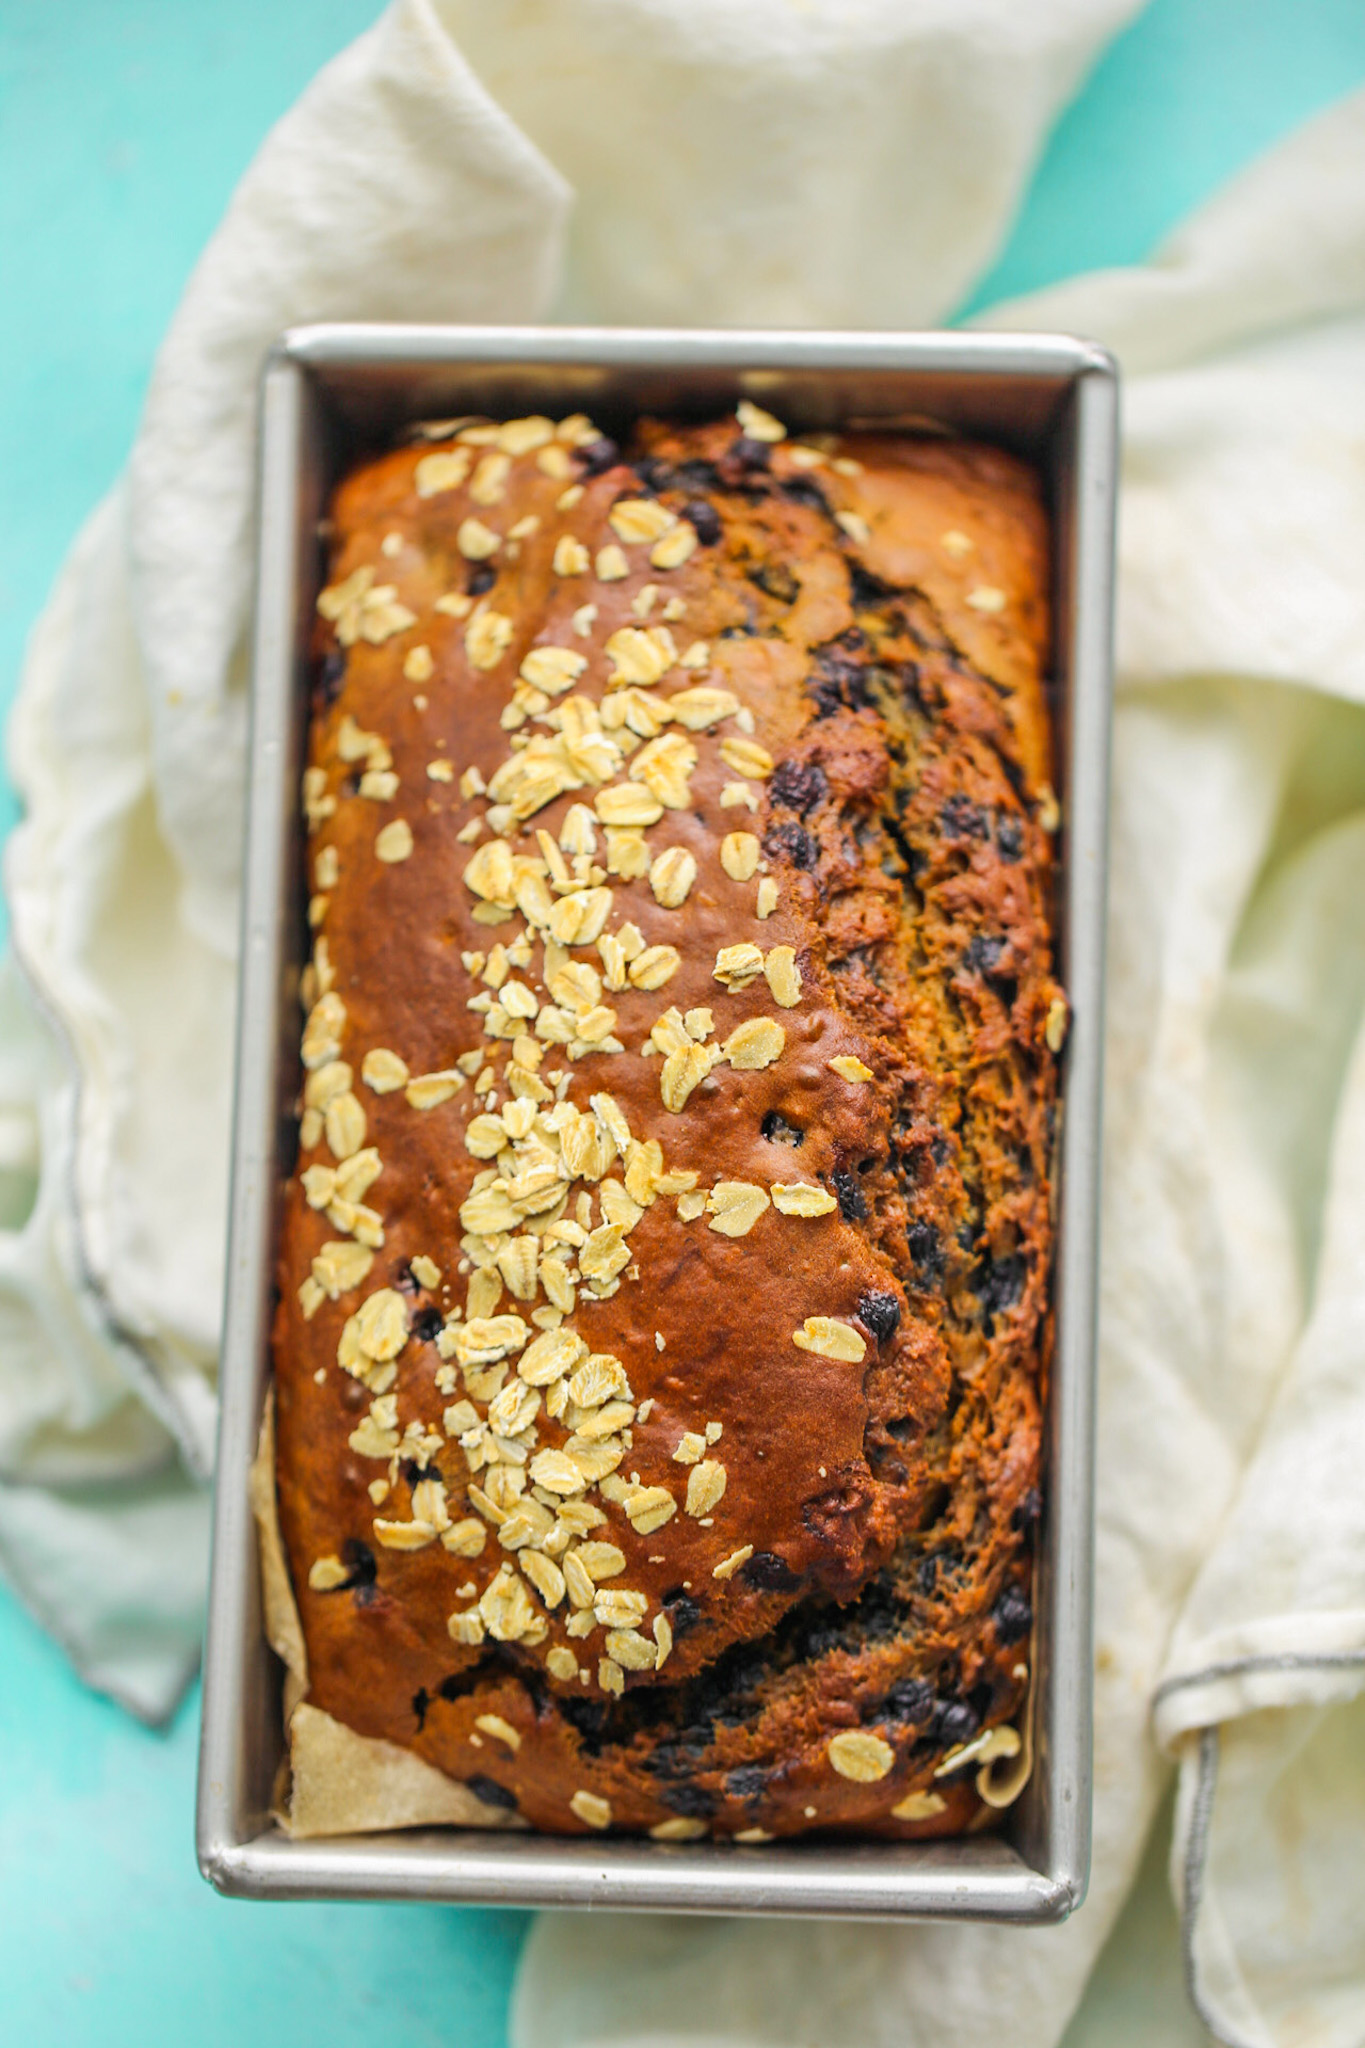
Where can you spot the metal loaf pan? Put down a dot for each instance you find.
(330, 393)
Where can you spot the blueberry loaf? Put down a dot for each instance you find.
(663, 1282)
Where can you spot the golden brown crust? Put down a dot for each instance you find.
(809, 1537)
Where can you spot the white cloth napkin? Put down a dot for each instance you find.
(817, 164)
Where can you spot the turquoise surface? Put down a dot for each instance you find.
(123, 126)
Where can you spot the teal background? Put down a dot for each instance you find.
(123, 127)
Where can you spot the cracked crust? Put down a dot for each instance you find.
(877, 608)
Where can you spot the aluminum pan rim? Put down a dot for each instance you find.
(874, 1880)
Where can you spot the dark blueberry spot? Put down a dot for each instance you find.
(588, 1719)
(365, 1596)
(705, 521)
(1009, 837)
(903, 1428)
(887, 1467)
(787, 840)
(940, 1151)
(351, 784)
(881, 1313)
(926, 1575)
(955, 1722)
(865, 589)
(693, 1800)
(1029, 1511)
(769, 1573)
(412, 1471)
(750, 454)
(984, 953)
(697, 474)
(492, 1793)
(405, 1280)
(777, 580)
(798, 785)
(926, 1249)
(804, 490)
(982, 1697)
(358, 1559)
(999, 1283)
(960, 818)
(427, 1325)
(852, 1201)
(910, 1701)
(840, 679)
(693, 1742)
(482, 577)
(778, 1131)
(331, 675)
(683, 1611)
(877, 1613)
(421, 1700)
(597, 455)
(1012, 1615)
(654, 473)
(728, 1688)
(746, 1781)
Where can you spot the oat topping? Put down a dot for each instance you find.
(746, 757)
(327, 1573)
(849, 1067)
(595, 1812)
(394, 842)
(799, 1198)
(862, 1757)
(444, 471)
(361, 609)
(500, 1730)
(757, 424)
(571, 558)
(919, 1806)
(755, 1044)
(829, 1338)
(705, 1486)
(488, 485)
(611, 564)
(678, 1829)
(855, 526)
(487, 638)
(476, 541)
(735, 1206)
(634, 520)
(739, 852)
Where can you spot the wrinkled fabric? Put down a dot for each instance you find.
(618, 159)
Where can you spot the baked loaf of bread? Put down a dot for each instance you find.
(664, 1278)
